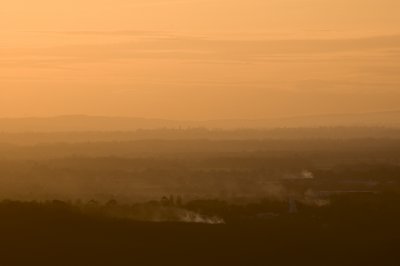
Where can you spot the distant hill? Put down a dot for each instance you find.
(82, 123)
(372, 119)
(98, 123)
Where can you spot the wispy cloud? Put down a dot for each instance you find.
(172, 47)
(368, 64)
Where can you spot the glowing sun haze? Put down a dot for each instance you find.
(198, 59)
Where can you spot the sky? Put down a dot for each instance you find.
(198, 59)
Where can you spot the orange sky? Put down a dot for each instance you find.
(198, 59)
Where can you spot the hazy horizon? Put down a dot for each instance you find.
(104, 115)
(199, 132)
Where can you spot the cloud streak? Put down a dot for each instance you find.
(150, 45)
